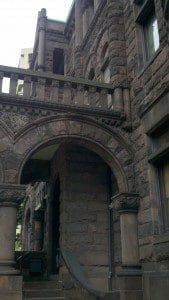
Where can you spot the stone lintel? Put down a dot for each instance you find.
(125, 202)
(11, 194)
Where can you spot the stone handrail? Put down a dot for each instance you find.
(61, 89)
(75, 270)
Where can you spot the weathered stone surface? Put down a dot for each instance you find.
(111, 42)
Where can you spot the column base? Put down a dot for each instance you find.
(128, 281)
(7, 268)
(129, 270)
(10, 287)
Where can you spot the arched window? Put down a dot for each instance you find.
(104, 52)
(91, 74)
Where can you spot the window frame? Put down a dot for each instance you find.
(145, 10)
(164, 212)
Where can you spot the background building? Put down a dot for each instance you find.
(24, 63)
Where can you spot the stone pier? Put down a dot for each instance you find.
(10, 281)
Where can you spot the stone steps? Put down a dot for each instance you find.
(45, 298)
(42, 290)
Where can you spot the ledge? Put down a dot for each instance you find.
(50, 76)
(6, 99)
(160, 154)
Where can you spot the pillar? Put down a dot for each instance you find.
(78, 23)
(78, 39)
(41, 41)
(10, 282)
(10, 197)
(127, 205)
(128, 279)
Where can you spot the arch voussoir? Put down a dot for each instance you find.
(98, 139)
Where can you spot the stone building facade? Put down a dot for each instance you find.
(90, 136)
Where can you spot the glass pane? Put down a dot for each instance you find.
(106, 75)
(155, 35)
(151, 36)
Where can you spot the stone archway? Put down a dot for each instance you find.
(109, 145)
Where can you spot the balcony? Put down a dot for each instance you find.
(42, 88)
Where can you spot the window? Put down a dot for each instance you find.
(146, 18)
(91, 74)
(163, 172)
(151, 36)
(58, 61)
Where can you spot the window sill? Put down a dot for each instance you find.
(149, 62)
(158, 155)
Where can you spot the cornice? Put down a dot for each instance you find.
(37, 106)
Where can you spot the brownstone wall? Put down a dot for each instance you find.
(148, 83)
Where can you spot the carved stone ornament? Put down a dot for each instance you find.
(11, 194)
(125, 202)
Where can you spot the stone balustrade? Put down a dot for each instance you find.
(59, 89)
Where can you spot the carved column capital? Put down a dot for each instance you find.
(11, 194)
(125, 202)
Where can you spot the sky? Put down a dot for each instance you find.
(18, 24)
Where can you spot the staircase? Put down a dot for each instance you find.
(42, 290)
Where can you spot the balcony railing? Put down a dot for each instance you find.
(62, 90)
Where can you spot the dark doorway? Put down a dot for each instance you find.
(55, 227)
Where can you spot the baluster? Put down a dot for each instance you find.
(97, 98)
(1, 81)
(54, 93)
(13, 84)
(118, 99)
(86, 97)
(27, 86)
(103, 98)
(110, 101)
(92, 96)
(79, 99)
(126, 98)
(67, 93)
(40, 88)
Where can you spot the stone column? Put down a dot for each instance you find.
(41, 42)
(78, 38)
(10, 197)
(127, 205)
(87, 15)
(78, 23)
